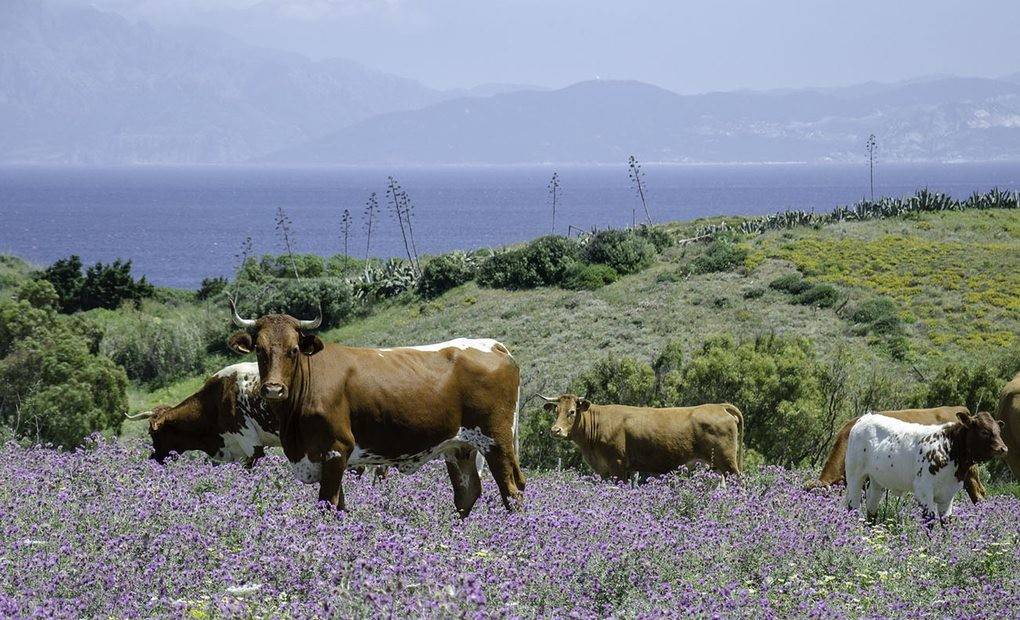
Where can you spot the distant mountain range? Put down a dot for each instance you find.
(81, 86)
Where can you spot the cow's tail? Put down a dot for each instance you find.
(834, 470)
(733, 411)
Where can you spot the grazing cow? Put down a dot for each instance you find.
(1008, 415)
(835, 466)
(884, 453)
(226, 418)
(618, 441)
(343, 406)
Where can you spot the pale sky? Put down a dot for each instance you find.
(688, 46)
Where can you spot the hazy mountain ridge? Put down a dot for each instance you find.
(936, 119)
(79, 85)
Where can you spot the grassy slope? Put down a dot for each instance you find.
(955, 277)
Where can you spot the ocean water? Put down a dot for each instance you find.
(180, 224)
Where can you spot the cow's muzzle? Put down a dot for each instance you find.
(274, 391)
(557, 432)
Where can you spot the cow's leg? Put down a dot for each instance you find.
(975, 490)
(331, 487)
(854, 490)
(872, 498)
(467, 486)
(501, 460)
(379, 473)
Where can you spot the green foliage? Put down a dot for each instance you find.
(588, 277)
(623, 381)
(791, 283)
(878, 316)
(719, 256)
(539, 448)
(444, 272)
(156, 350)
(284, 266)
(302, 299)
(38, 293)
(211, 288)
(819, 296)
(774, 381)
(509, 270)
(102, 286)
(655, 235)
(392, 278)
(624, 251)
(551, 256)
(974, 385)
(56, 388)
(754, 292)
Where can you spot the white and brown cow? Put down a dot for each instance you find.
(226, 418)
(886, 454)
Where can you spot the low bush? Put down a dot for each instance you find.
(656, 236)
(877, 315)
(211, 288)
(625, 251)
(156, 351)
(285, 266)
(583, 276)
(754, 292)
(444, 272)
(719, 256)
(974, 385)
(56, 388)
(102, 286)
(819, 296)
(791, 283)
(302, 299)
(39, 293)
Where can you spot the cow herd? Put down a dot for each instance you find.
(333, 408)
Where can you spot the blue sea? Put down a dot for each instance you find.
(180, 224)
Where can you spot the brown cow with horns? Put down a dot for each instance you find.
(343, 406)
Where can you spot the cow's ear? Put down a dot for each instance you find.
(549, 406)
(583, 404)
(310, 344)
(241, 343)
(966, 417)
(1002, 424)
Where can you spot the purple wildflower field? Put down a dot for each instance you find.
(103, 532)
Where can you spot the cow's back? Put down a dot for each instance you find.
(661, 440)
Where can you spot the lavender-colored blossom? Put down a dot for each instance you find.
(103, 532)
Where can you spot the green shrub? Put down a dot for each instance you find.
(624, 251)
(754, 292)
(56, 389)
(102, 286)
(656, 236)
(39, 293)
(509, 270)
(156, 350)
(284, 266)
(774, 381)
(552, 256)
(791, 283)
(302, 299)
(540, 449)
(976, 386)
(444, 272)
(589, 277)
(211, 288)
(719, 256)
(877, 315)
(622, 381)
(819, 296)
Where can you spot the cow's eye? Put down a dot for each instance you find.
(573, 413)
(293, 350)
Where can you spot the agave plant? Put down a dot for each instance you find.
(387, 280)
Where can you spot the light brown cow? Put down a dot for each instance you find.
(1008, 413)
(834, 470)
(618, 441)
(344, 406)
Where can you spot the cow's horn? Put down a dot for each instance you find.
(303, 324)
(549, 400)
(145, 415)
(237, 318)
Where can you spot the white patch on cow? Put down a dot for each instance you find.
(409, 463)
(240, 445)
(481, 344)
(306, 471)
